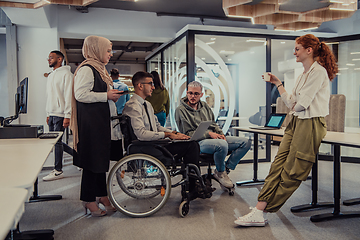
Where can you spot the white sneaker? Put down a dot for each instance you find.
(54, 175)
(256, 218)
(223, 178)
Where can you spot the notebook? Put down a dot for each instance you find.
(199, 132)
(274, 121)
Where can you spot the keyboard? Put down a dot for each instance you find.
(49, 135)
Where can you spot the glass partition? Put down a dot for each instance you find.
(230, 69)
(154, 64)
(175, 76)
(348, 83)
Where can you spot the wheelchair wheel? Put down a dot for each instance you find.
(139, 185)
(184, 208)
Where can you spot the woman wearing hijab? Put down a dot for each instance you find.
(159, 99)
(93, 103)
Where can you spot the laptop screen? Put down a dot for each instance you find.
(276, 120)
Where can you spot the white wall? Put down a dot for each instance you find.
(4, 92)
(35, 44)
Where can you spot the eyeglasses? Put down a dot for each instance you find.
(150, 83)
(51, 58)
(196, 94)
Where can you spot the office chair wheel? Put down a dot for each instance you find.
(139, 185)
(184, 208)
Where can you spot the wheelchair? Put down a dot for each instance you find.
(139, 184)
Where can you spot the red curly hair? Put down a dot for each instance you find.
(322, 53)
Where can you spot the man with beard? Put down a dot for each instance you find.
(58, 106)
(190, 114)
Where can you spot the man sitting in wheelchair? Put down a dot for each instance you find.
(146, 127)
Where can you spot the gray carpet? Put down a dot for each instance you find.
(208, 219)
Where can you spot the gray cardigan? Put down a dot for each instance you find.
(188, 119)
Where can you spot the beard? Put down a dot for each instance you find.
(193, 104)
(53, 64)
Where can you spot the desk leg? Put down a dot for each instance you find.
(255, 179)
(37, 198)
(337, 194)
(314, 187)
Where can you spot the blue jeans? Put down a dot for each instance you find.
(56, 124)
(161, 118)
(237, 146)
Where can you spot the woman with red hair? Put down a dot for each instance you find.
(309, 104)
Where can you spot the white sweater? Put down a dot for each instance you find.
(311, 94)
(59, 92)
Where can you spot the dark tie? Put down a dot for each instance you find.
(147, 113)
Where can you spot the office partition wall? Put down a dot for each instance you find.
(230, 65)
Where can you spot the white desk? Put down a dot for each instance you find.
(12, 202)
(21, 160)
(337, 139)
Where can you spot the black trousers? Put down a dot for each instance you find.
(92, 185)
(189, 151)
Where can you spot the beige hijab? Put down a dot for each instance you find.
(93, 50)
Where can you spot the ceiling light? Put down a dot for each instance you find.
(342, 69)
(236, 16)
(330, 43)
(355, 53)
(202, 58)
(283, 30)
(306, 29)
(229, 59)
(282, 42)
(356, 69)
(336, 1)
(209, 43)
(350, 64)
(342, 9)
(212, 39)
(255, 40)
(227, 52)
(356, 59)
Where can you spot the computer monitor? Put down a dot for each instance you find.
(22, 91)
(20, 104)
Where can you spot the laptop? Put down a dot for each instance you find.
(199, 132)
(274, 122)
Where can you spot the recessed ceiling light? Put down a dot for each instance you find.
(209, 43)
(282, 42)
(350, 64)
(227, 52)
(330, 43)
(213, 39)
(229, 59)
(356, 59)
(202, 58)
(343, 69)
(355, 53)
(255, 40)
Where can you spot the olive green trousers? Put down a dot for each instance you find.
(293, 161)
